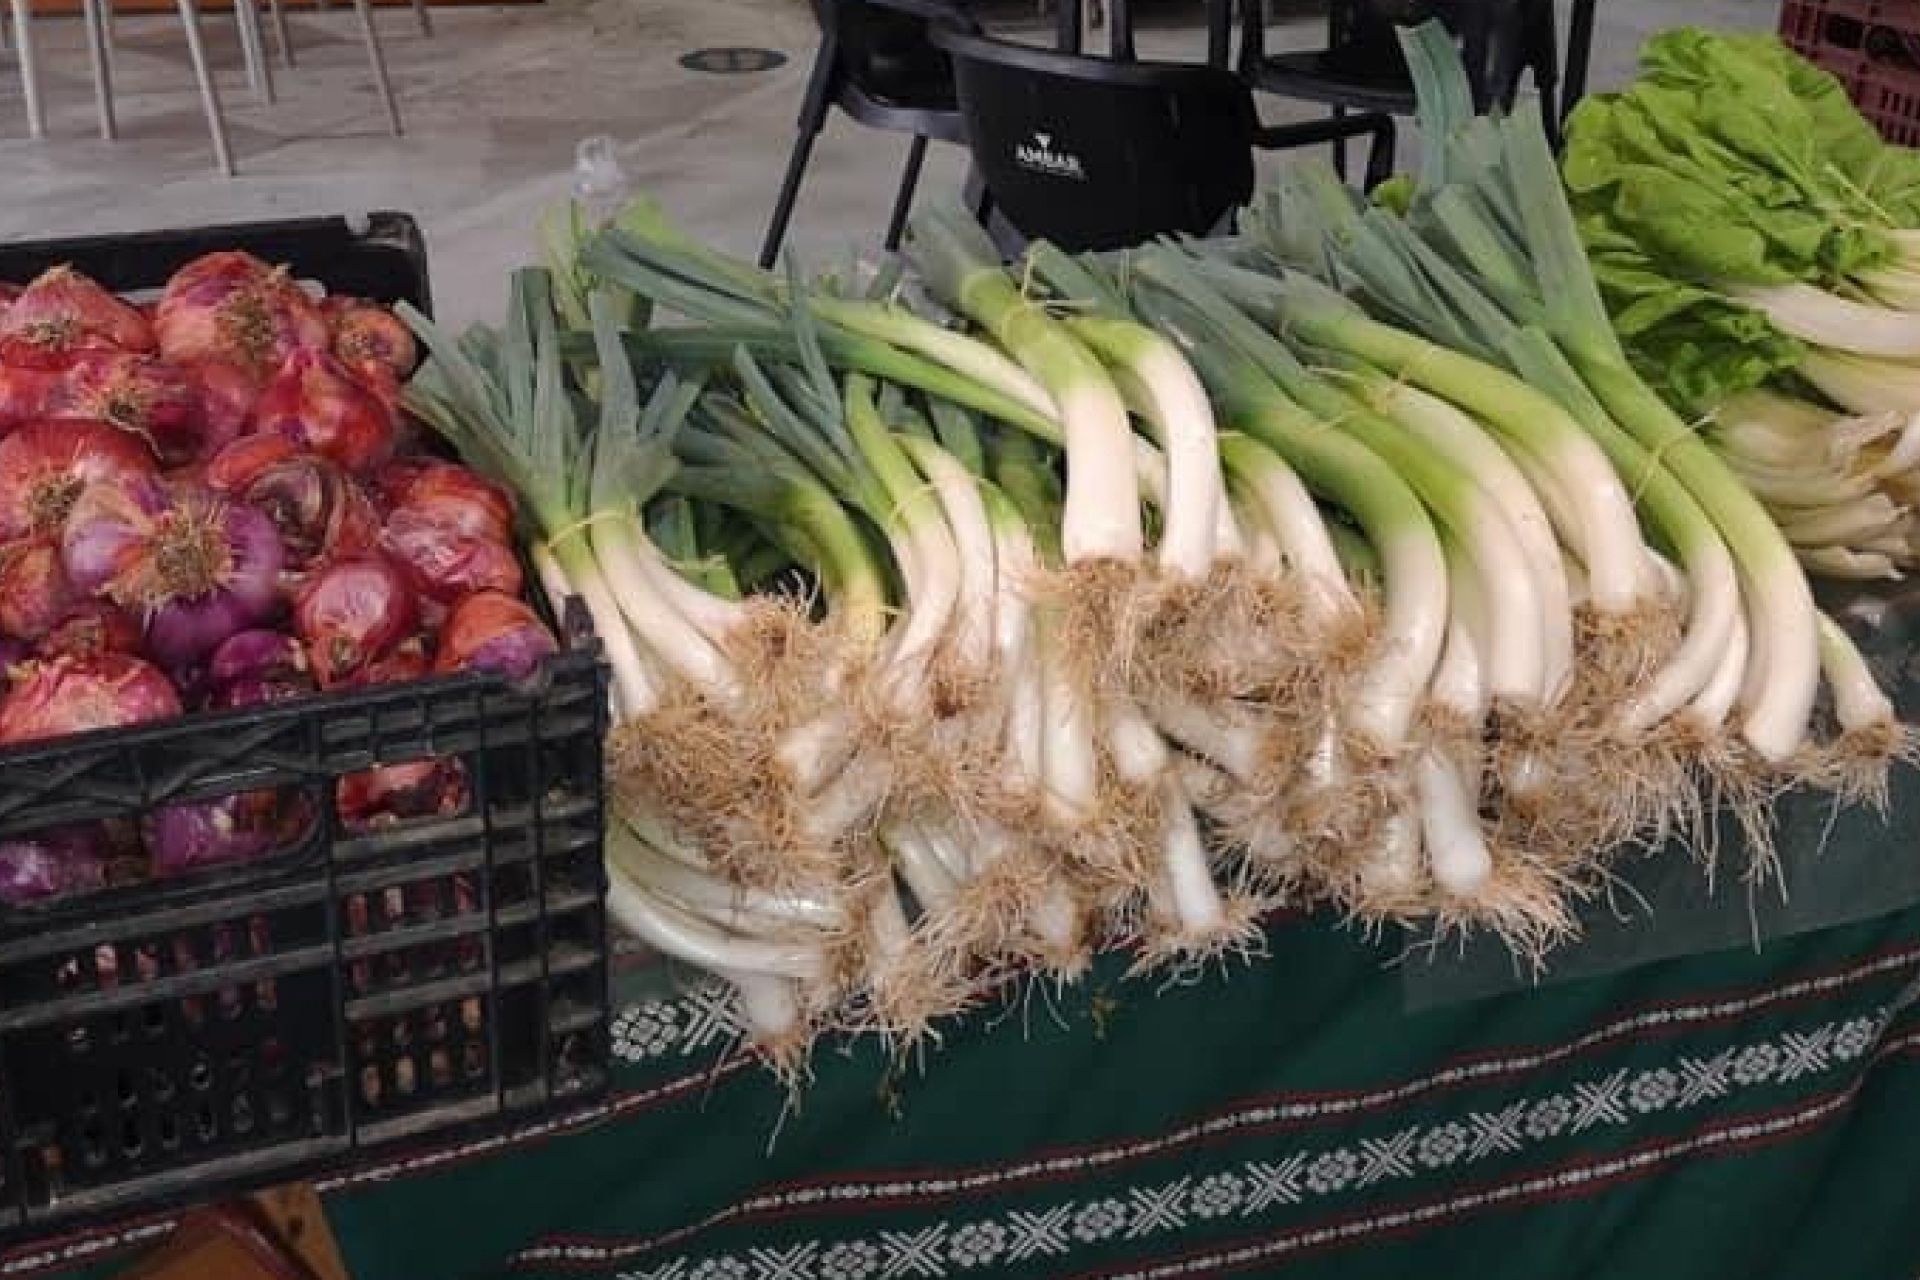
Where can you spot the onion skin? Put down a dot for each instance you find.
(241, 462)
(227, 395)
(145, 397)
(45, 465)
(368, 336)
(73, 695)
(315, 401)
(397, 793)
(182, 838)
(89, 629)
(25, 394)
(34, 593)
(255, 667)
(197, 566)
(53, 863)
(350, 613)
(449, 495)
(320, 512)
(443, 566)
(405, 661)
(234, 309)
(489, 631)
(62, 314)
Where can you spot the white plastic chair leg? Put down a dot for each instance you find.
(209, 95)
(379, 61)
(282, 32)
(29, 68)
(253, 49)
(94, 13)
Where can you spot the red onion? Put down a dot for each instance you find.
(25, 394)
(50, 863)
(367, 334)
(236, 466)
(400, 792)
(253, 667)
(405, 661)
(63, 313)
(235, 309)
(91, 628)
(34, 594)
(72, 695)
(449, 495)
(313, 400)
(489, 631)
(204, 833)
(44, 466)
(350, 613)
(442, 565)
(8, 292)
(195, 565)
(142, 395)
(227, 395)
(320, 512)
(12, 654)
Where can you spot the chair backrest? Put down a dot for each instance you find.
(1094, 154)
(884, 51)
(1497, 39)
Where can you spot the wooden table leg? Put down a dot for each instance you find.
(299, 1224)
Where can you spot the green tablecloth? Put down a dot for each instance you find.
(1739, 1114)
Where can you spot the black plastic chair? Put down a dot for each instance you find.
(876, 64)
(1098, 154)
(1362, 68)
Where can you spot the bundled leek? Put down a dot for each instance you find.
(967, 620)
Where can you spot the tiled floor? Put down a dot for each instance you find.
(494, 103)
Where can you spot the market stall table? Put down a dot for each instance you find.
(1728, 1115)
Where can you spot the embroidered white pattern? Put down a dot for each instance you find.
(1255, 1186)
(1218, 1196)
(977, 1244)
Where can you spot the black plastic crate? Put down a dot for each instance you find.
(167, 1041)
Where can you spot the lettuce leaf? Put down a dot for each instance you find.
(1730, 160)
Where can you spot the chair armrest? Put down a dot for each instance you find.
(1377, 124)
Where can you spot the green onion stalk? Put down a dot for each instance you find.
(501, 398)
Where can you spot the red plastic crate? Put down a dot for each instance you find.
(1853, 26)
(1889, 96)
(1873, 48)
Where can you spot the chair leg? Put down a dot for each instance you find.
(379, 61)
(813, 118)
(209, 94)
(1340, 147)
(789, 192)
(253, 49)
(29, 68)
(282, 32)
(92, 12)
(423, 17)
(903, 201)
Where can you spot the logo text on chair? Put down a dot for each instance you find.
(1040, 156)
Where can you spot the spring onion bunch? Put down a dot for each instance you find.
(970, 617)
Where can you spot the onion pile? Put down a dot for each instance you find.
(212, 509)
